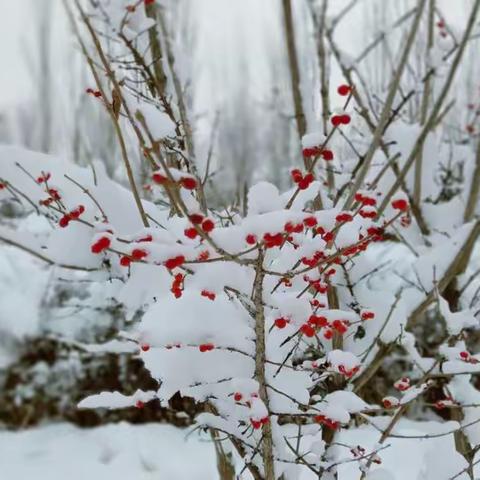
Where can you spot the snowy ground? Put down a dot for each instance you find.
(121, 451)
(162, 452)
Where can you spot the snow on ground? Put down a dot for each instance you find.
(162, 452)
(112, 452)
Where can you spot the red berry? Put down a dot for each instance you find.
(125, 261)
(256, 424)
(281, 322)
(400, 204)
(206, 347)
(464, 355)
(345, 119)
(172, 263)
(196, 218)
(145, 347)
(208, 225)
(296, 175)
(138, 254)
(344, 217)
(328, 334)
(336, 120)
(344, 90)
(310, 222)
(190, 233)
(367, 315)
(101, 244)
(208, 294)
(64, 221)
(327, 236)
(307, 330)
(159, 178)
(139, 404)
(237, 396)
(327, 155)
(189, 183)
(303, 184)
(251, 239)
(318, 321)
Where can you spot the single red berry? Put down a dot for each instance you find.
(251, 239)
(464, 355)
(159, 178)
(97, 93)
(327, 236)
(345, 119)
(191, 233)
(310, 222)
(400, 204)
(303, 184)
(344, 90)
(138, 254)
(196, 218)
(189, 183)
(208, 225)
(139, 404)
(237, 396)
(328, 334)
(281, 322)
(145, 347)
(125, 261)
(327, 155)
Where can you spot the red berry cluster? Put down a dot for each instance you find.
(72, 215)
(273, 240)
(95, 93)
(344, 217)
(343, 119)
(174, 262)
(206, 347)
(328, 422)
(103, 243)
(348, 373)
(208, 294)
(400, 204)
(302, 181)
(177, 285)
(309, 152)
(189, 183)
(257, 424)
(43, 178)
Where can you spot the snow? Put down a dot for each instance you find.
(112, 452)
(153, 451)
